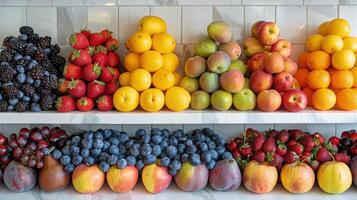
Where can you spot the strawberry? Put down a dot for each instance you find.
(251, 134)
(77, 88)
(91, 72)
(331, 148)
(353, 136)
(283, 136)
(354, 150)
(345, 134)
(78, 41)
(318, 138)
(297, 148)
(112, 44)
(291, 143)
(305, 156)
(105, 103)
(113, 59)
(259, 156)
(308, 142)
(296, 134)
(269, 145)
(277, 160)
(323, 155)
(86, 33)
(291, 157)
(96, 39)
(342, 157)
(236, 153)
(334, 140)
(100, 49)
(106, 34)
(232, 145)
(314, 164)
(63, 85)
(245, 149)
(81, 57)
(273, 133)
(85, 104)
(111, 87)
(95, 89)
(100, 58)
(258, 142)
(281, 148)
(65, 104)
(72, 71)
(107, 74)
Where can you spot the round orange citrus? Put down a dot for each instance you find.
(313, 43)
(302, 60)
(323, 28)
(140, 79)
(177, 99)
(178, 78)
(341, 79)
(350, 43)
(163, 43)
(339, 27)
(318, 78)
(140, 42)
(343, 59)
(152, 100)
(151, 61)
(323, 99)
(308, 92)
(331, 44)
(163, 79)
(171, 62)
(152, 25)
(131, 61)
(301, 76)
(354, 74)
(347, 99)
(124, 79)
(318, 60)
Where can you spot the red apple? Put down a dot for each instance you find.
(274, 63)
(283, 47)
(256, 62)
(255, 28)
(268, 100)
(268, 33)
(260, 80)
(294, 100)
(290, 66)
(283, 81)
(252, 46)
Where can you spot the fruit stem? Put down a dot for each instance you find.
(333, 158)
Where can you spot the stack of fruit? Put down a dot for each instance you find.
(91, 74)
(217, 66)
(327, 71)
(29, 71)
(272, 69)
(151, 61)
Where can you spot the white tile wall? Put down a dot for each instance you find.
(317, 15)
(349, 13)
(43, 20)
(128, 19)
(292, 22)
(234, 16)
(100, 18)
(15, 15)
(194, 27)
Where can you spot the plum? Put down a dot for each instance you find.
(225, 175)
(354, 169)
(19, 178)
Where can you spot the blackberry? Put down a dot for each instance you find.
(37, 73)
(11, 91)
(50, 82)
(55, 49)
(18, 45)
(58, 61)
(44, 42)
(29, 51)
(3, 106)
(47, 102)
(33, 38)
(7, 73)
(21, 106)
(39, 55)
(8, 40)
(45, 92)
(28, 89)
(28, 30)
(7, 55)
(22, 62)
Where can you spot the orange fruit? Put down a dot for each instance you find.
(126, 99)
(177, 99)
(131, 61)
(347, 99)
(356, 57)
(339, 27)
(343, 59)
(171, 62)
(323, 99)
(318, 60)
(178, 78)
(151, 61)
(152, 25)
(341, 79)
(140, 42)
(318, 78)
(354, 74)
(124, 79)
(128, 44)
(302, 60)
(323, 28)
(152, 100)
(313, 43)
(140, 79)
(163, 79)
(331, 44)
(350, 43)
(163, 43)
(301, 76)
(308, 92)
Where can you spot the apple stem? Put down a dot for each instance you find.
(333, 158)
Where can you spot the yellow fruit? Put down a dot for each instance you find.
(152, 25)
(140, 42)
(178, 78)
(171, 62)
(128, 44)
(331, 44)
(177, 99)
(339, 27)
(140, 79)
(131, 61)
(323, 99)
(343, 59)
(313, 43)
(152, 100)
(323, 28)
(347, 99)
(163, 79)
(354, 74)
(189, 84)
(350, 43)
(318, 78)
(163, 43)
(151, 61)
(318, 60)
(126, 99)
(341, 79)
(124, 79)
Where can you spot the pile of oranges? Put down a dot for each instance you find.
(150, 71)
(328, 69)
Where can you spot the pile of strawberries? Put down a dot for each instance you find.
(289, 146)
(91, 75)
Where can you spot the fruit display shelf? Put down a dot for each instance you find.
(308, 116)
(139, 193)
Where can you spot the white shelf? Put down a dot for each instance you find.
(308, 116)
(139, 193)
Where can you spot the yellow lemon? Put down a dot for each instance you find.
(163, 43)
(152, 100)
(313, 43)
(151, 61)
(126, 99)
(140, 79)
(152, 25)
(343, 59)
(163, 79)
(331, 44)
(350, 43)
(323, 28)
(177, 99)
(171, 62)
(339, 27)
(140, 42)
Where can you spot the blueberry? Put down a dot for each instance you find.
(164, 161)
(123, 137)
(113, 149)
(122, 163)
(206, 157)
(27, 99)
(129, 143)
(104, 166)
(145, 139)
(208, 132)
(85, 152)
(191, 149)
(1, 97)
(140, 132)
(182, 139)
(106, 146)
(89, 160)
(165, 133)
(103, 156)
(184, 157)
(45, 151)
(23, 37)
(30, 80)
(189, 142)
(20, 95)
(107, 133)
(88, 135)
(66, 150)
(171, 151)
(145, 149)
(220, 150)
(195, 159)
(211, 145)
(149, 159)
(203, 146)
(122, 149)
(37, 83)
(69, 168)
(178, 133)
(75, 140)
(173, 141)
(214, 154)
(87, 143)
(131, 160)
(95, 152)
(175, 165)
(99, 134)
(27, 58)
(113, 141)
(164, 144)
(20, 69)
(10, 108)
(173, 172)
(211, 164)
(156, 150)
(77, 160)
(13, 101)
(112, 159)
(17, 57)
(156, 139)
(180, 148)
(75, 150)
(98, 143)
(155, 131)
(65, 160)
(226, 155)
(140, 165)
(56, 154)
(135, 150)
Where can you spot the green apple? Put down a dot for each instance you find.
(200, 100)
(190, 84)
(238, 64)
(244, 100)
(205, 47)
(221, 100)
